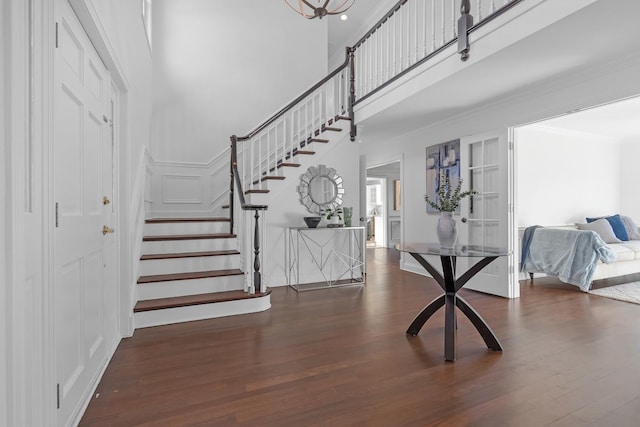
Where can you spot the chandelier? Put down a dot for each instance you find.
(323, 8)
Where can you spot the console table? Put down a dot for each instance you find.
(319, 258)
(451, 285)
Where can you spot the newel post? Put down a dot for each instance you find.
(257, 276)
(232, 164)
(465, 22)
(352, 91)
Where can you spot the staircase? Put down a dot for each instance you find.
(190, 270)
(299, 155)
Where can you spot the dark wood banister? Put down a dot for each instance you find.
(296, 101)
(397, 7)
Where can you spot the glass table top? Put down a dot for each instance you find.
(459, 250)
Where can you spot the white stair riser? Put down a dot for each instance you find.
(188, 265)
(160, 229)
(199, 312)
(191, 245)
(179, 288)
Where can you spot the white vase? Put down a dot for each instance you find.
(447, 231)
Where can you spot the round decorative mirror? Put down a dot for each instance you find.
(320, 189)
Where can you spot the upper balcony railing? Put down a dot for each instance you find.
(414, 31)
(411, 33)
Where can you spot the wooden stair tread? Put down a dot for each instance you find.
(272, 178)
(186, 301)
(324, 141)
(188, 237)
(332, 129)
(307, 152)
(188, 276)
(343, 118)
(225, 206)
(288, 165)
(170, 220)
(256, 191)
(188, 255)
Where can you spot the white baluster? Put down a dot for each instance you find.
(415, 31)
(453, 20)
(479, 10)
(442, 22)
(433, 25)
(392, 45)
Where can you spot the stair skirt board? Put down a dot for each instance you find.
(151, 267)
(195, 245)
(145, 319)
(179, 288)
(168, 228)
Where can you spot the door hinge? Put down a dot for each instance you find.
(511, 145)
(56, 35)
(57, 216)
(57, 396)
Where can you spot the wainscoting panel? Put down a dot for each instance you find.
(181, 189)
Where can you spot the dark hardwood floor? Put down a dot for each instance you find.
(340, 357)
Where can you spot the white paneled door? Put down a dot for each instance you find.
(83, 197)
(487, 167)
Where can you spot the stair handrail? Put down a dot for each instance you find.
(299, 99)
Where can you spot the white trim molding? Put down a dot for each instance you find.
(187, 189)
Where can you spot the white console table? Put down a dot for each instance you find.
(320, 258)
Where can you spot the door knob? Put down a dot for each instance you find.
(106, 230)
(105, 200)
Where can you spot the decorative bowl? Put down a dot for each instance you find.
(312, 221)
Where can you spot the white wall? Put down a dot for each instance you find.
(564, 176)
(4, 274)
(285, 209)
(223, 67)
(629, 178)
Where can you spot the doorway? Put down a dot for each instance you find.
(589, 158)
(383, 205)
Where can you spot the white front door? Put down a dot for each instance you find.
(487, 167)
(81, 165)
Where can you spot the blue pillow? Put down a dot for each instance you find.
(616, 224)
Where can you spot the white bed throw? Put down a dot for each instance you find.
(571, 255)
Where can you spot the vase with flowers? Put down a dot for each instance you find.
(448, 201)
(334, 217)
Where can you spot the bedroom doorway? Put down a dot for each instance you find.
(589, 157)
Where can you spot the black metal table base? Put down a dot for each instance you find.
(450, 300)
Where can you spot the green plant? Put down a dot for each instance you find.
(448, 200)
(330, 213)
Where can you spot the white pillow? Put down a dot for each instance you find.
(631, 227)
(603, 228)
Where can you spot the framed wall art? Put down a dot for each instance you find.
(442, 160)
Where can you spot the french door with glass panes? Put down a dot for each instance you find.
(487, 168)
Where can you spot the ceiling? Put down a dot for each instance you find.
(619, 120)
(362, 16)
(597, 34)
